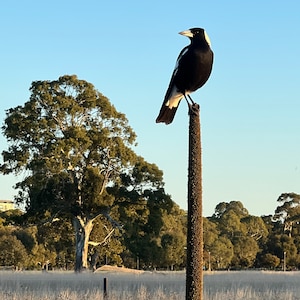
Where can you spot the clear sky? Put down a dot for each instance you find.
(127, 49)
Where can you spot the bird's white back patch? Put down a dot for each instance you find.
(175, 97)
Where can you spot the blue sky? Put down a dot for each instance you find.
(127, 49)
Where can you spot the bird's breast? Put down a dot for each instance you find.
(193, 70)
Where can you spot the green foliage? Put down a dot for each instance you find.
(173, 249)
(66, 134)
(270, 261)
(288, 212)
(27, 238)
(210, 232)
(240, 232)
(11, 217)
(221, 252)
(173, 238)
(245, 252)
(234, 206)
(255, 227)
(106, 243)
(12, 251)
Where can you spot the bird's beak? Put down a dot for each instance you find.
(187, 33)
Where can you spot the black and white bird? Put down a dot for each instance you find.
(192, 70)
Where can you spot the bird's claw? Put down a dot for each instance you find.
(194, 109)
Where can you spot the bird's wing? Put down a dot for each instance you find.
(183, 51)
(173, 96)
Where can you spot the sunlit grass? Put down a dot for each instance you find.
(145, 286)
(255, 285)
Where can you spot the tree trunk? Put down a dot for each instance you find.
(94, 259)
(83, 230)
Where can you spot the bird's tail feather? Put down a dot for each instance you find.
(166, 114)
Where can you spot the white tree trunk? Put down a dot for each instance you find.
(83, 230)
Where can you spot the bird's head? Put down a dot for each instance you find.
(196, 33)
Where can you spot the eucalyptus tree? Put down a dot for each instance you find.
(288, 212)
(235, 206)
(71, 145)
(255, 227)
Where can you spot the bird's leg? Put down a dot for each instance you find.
(187, 101)
(193, 107)
(186, 97)
(191, 99)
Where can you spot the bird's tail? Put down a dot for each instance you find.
(166, 114)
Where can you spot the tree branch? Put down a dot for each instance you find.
(104, 240)
(114, 223)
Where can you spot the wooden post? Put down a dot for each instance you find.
(105, 295)
(194, 268)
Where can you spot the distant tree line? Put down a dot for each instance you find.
(155, 238)
(234, 239)
(150, 238)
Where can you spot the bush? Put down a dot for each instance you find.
(12, 251)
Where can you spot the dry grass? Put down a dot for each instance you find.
(254, 285)
(67, 285)
(123, 284)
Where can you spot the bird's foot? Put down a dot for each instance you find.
(194, 109)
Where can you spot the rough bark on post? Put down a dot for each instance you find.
(194, 268)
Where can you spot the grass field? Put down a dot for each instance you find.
(147, 285)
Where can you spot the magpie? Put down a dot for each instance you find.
(192, 70)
